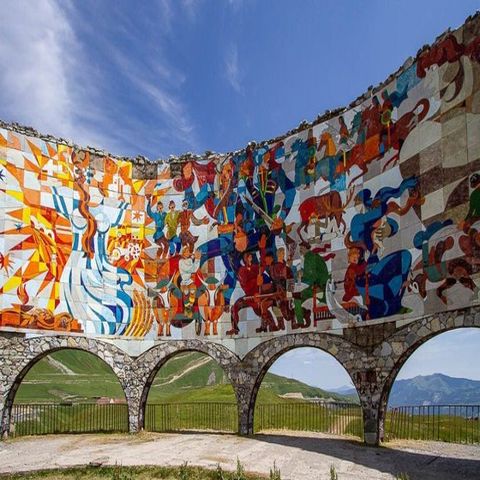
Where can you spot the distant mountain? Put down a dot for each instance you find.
(436, 389)
(283, 386)
(344, 390)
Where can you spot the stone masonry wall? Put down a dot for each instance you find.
(372, 365)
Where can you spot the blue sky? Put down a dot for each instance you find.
(453, 353)
(164, 77)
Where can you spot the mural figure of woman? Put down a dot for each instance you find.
(89, 277)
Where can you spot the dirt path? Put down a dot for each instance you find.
(189, 369)
(60, 366)
(341, 423)
(299, 456)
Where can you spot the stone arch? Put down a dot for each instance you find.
(149, 363)
(258, 361)
(20, 354)
(402, 344)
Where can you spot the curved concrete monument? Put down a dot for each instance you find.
(358, 234)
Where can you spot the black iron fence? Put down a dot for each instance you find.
(445, 423)
(448, 423)
(336, 418)
(175, 417)
(41, 419)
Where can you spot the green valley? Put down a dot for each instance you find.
(75, 376)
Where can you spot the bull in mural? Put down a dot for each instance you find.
(328, 207)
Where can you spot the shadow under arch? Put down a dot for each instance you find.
(402, 359)
(35, 351)
(150, 363)
(271, 350)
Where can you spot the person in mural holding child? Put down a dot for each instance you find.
(383, 285)
(159, 236)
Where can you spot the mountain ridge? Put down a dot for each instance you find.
(435, 389)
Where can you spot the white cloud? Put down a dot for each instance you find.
(191, 7)
(52, 82)
(165, 16)
(233, 72)
(173, 109)
(235, 4)
(34, 40)
(44, 83)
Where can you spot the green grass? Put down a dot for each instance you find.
(129, 473)
(188, 377)
(74, 418)
(309, 417)
(442, 428)
(90, 378)
(169, 417)
(193, 378)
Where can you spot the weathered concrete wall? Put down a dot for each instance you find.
(357, 234)
(368, 215)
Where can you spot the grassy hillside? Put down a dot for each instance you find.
(68, 375)
(73, 375)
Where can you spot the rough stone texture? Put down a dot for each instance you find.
(19, 354)
(372, 370)
(148, 364)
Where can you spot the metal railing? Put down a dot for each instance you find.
(336, 418)
(445, 423)
(175, 417)
(41, 419)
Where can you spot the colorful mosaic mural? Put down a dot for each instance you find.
(369, 216)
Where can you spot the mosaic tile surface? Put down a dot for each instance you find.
(370, 216)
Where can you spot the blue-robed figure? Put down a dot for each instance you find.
(383, 285)
(159, 238)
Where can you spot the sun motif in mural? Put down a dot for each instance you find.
(5, 262)
(41, 237)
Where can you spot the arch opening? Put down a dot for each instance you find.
(189, 390)
(66, 390)
(308, 389)
(433, 392)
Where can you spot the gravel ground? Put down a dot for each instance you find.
(300, 456)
